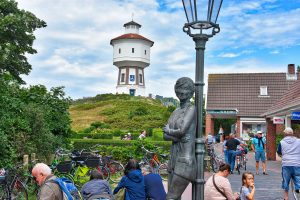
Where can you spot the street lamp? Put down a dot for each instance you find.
(201, 24)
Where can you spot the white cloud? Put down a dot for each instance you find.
(74, 48)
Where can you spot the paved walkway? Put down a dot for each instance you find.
(268, 187)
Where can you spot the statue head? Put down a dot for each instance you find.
(184, 88)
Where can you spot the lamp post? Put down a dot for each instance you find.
(201, 25)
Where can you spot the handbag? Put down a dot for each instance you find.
(120, 195)
(218, 188)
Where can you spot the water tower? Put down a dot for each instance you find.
(131, 56)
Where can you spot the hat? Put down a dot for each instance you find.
(288, 130)
(259, 132)
(129, 133)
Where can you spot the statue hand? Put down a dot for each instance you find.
(166, 129)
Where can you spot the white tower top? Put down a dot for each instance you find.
(132, 27)
(131, 55)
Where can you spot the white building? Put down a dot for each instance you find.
(131, 55)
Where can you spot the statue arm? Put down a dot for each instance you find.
(189, 118)
(170, 138)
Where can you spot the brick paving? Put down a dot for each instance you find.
(268, 187)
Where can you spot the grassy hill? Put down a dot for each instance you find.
(119, 111)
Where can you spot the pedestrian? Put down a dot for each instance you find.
(97, 188)
(218, 187)
(142, 135)
(125, 137)
(133, 182)
(49, 189)
(258, 146)
(231, 146)
(225, 148)
(154, 187)
(129, 137)
(289, 149)
(248, 188)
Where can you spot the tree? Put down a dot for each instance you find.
(32, 120)
(16, 30)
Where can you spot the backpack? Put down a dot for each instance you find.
(70, 192)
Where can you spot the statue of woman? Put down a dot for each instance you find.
(181, 129)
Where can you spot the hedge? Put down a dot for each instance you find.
(93, 135)
(86, 143)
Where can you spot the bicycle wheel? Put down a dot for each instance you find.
(105, 171)
(18, 191)
(295, 194)
(163, 171)
(214, 165)
(116, 170)
(238, 165)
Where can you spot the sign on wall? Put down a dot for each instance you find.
(131, 78)
(278, 120)
(295, 115)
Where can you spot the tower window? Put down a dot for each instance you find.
(132, 50)
(263, 90)
(141, 78)
(123, 77)
(119, 50)
(145, 52)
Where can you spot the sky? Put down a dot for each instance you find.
(74, 49)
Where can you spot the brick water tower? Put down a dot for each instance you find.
(131, 56)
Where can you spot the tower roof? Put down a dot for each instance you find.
(131, 36)
(132, 23)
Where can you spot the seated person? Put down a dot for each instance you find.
(153, 184)
(96, 188)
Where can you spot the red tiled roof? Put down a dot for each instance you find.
(131, 36)
(289, 99)
(241, 91)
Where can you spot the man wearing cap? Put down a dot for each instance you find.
(289, 149)
(259, 147)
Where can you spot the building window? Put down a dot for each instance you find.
(123, 77)
(263, 91)
(132, 50)
(145, 52)
(119, 50)
(141, 78)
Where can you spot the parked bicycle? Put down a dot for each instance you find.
(11, 186)
(214, 160)
(151, 158)
(241, 161)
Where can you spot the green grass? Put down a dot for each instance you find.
(118, 111)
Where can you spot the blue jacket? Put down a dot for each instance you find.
(134, 185)
(154, 187)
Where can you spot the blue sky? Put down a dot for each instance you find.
(74, 49)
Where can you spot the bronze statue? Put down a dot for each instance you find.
(181, 130)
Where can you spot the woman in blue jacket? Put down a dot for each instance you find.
(133, 182)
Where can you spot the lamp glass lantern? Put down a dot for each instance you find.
(202, 14)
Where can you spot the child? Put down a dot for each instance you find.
(248, 189)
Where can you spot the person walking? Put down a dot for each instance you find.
(248, 188)
(49, 190)
(97, 188)
(218, 187)
(258, 146)
(289, 149)
(133, 182)
(153, 184)
(231, 146)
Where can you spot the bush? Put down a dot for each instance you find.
(100, 125)
(279, 137)
(157, 134)
(85, 143)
